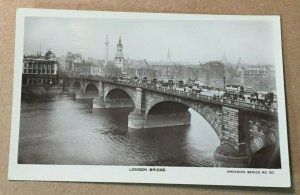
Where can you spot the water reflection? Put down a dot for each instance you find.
(63, 130)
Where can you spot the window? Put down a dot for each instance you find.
(44, 68)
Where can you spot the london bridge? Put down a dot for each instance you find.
(242, 128)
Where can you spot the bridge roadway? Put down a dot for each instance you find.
(235, 104)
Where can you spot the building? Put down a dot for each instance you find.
(212, 74)
(82, 68)
(96, 70)
(142, 72)
(87, 68)
(40, 70)
(70, 59)
(258, 77)
(119, 59)
(62, 63)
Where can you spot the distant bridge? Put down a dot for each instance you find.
(243, 128)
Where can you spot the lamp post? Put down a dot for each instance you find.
(224, 79)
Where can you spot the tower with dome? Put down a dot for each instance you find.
(40, 70)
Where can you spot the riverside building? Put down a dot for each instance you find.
(40, 70)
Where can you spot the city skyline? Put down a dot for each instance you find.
(87, 36)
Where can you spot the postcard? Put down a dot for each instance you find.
(148, 98)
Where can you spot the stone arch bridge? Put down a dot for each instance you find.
(243, 129)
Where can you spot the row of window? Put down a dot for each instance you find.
(35, 65)
(39, 81)
(39, 68)
(256, 72)
(39, 71)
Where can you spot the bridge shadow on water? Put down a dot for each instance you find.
(165, 146)
(169, 144)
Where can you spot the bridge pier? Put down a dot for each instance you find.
(140, 121)
(98, 102)
(136, 119)
(233, 151)
(118, 103)
(81, 95)
(227, 156)
(71, 90)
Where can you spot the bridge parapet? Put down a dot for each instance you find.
(269, 110)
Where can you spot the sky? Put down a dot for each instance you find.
(196, 41)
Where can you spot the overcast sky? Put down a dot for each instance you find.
(189, 41)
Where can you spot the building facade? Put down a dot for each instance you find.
(258, 77)
(40, 70)
(70, 59)
(87, 68)
(212, 74)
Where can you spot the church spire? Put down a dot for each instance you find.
(119, 59)
(120, 40)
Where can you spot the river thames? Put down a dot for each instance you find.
(63, 130)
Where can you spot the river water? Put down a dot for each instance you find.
(63, 130)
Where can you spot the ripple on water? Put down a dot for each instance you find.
(63, 130)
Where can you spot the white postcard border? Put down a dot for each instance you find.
(122, 174)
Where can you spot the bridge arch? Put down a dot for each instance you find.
(91, 88)
(76, 85)
(207, 112)
(263, 141)
(266, 157)
(119, 92)
(167, 107)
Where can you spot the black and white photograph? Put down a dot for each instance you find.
(149, 98)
